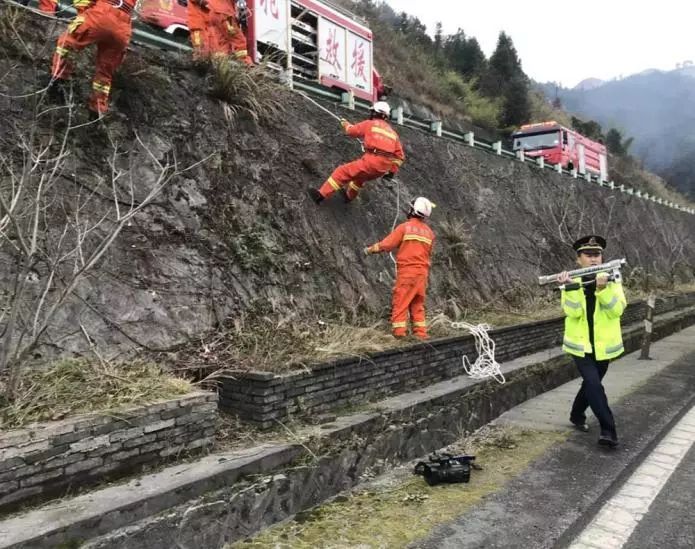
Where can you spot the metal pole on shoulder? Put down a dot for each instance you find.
(648, 326)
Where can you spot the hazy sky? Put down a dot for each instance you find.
(569, 41)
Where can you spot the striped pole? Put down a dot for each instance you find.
(648, 326)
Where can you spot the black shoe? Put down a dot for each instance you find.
(315, 195)
(608, 439)
(580, 425)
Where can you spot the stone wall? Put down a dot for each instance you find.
(262, 398)
(51, 459)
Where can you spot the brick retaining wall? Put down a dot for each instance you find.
(262, 398)
(52, 458)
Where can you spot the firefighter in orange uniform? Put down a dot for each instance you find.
(221, 33)
(383, 156)
(106, 23)
(414, 240)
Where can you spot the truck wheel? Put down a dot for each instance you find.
(570, 166)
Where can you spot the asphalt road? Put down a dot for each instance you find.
(555, 502)
(670, 521)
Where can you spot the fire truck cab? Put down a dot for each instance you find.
(313, 40)
(560, 145)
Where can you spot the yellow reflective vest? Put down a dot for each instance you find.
(608, 338)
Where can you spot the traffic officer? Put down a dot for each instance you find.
(592, 334)
(383, 156)
(414, 240)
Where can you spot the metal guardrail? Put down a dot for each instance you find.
(146, 35)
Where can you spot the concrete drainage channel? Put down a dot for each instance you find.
(227, 497)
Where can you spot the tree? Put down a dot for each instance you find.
(590, 129)
(616, 144)
(55, 229)
(464, 55)
(517, 105)
(504, 66)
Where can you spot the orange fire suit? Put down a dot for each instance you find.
(106, 23)
(197, 25)
(217, 30)
(51, 6)
(383, 154)
(414, 240)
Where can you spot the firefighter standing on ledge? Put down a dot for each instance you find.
(414, 240)
(216, 29)
(106, 23)
(592, 335)
(383, 156)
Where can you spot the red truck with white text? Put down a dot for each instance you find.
(313, 39)
(560, 145)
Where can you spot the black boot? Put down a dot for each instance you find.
(56, 92)
(608, 438)
(579, 424)
(315, 195)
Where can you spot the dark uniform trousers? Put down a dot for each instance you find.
(592, 394)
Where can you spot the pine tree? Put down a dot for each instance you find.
(503, 67)
(517, 105)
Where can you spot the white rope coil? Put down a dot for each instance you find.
(485, 366)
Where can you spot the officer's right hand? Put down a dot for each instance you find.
(564, 278)
(366, 251)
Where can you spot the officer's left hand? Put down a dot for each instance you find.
(344, 123)
(601, 281)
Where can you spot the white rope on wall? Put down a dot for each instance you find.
(485, 366)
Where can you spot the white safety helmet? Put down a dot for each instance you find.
(421, 207)
(382, 107)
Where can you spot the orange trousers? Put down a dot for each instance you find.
(107, 27)
(355, 174)
(226, 37)
(409, 299)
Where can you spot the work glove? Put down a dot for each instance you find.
(344, 123)
(366, 251)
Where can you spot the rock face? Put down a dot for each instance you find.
(237, 234)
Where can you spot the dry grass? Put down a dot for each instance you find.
(248, 91)
(76, 386)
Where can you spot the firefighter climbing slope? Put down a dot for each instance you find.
(216, 29)
(106, 23)
(383, 156)
(414, 240)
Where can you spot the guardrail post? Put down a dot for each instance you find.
(558, 167)
(521, 155)
(587, 176)
(397, 115)
(575, 173)
(648, 325)
(622, 188)
(348, 99)
(470, 138)
(638, 193)
(436, 127)
(497, 147)
(630, 191)
(540, 161)
(611, 185)
(645, 196)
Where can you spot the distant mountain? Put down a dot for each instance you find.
(589, 84)
(657, 108)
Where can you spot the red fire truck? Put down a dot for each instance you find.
(560, 145)
(312, 39)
